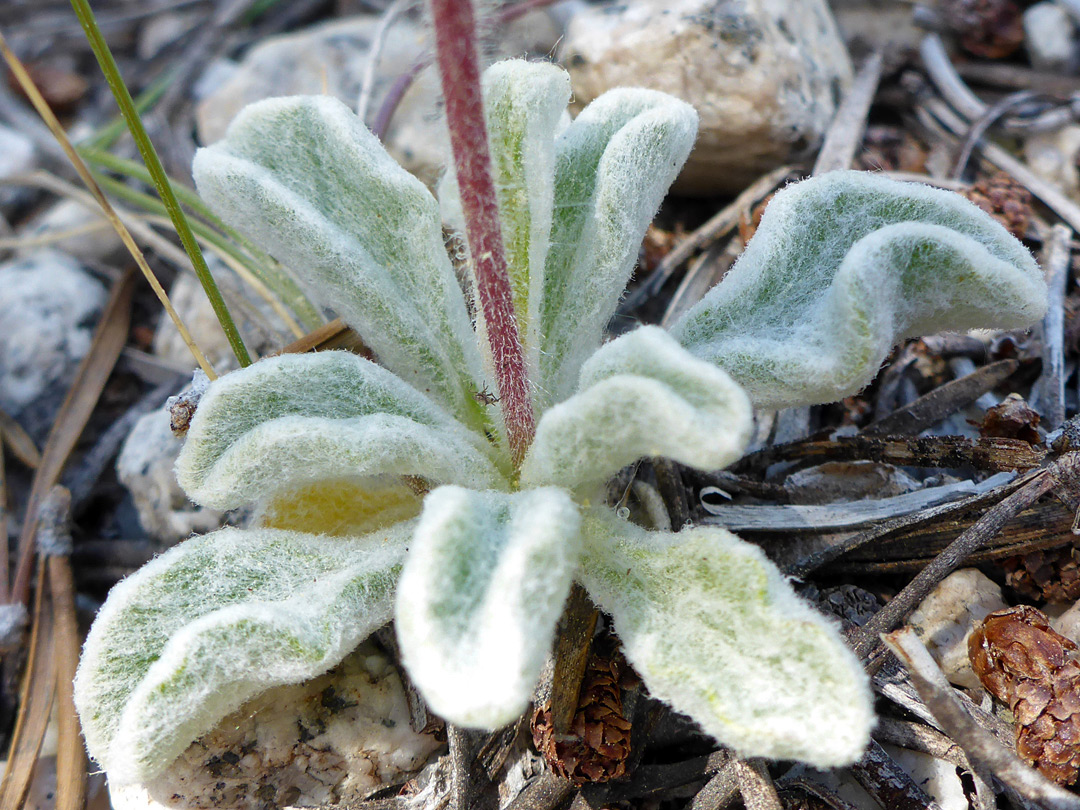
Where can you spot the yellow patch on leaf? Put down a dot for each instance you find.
(342, 507)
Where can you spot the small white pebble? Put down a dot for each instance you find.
(947, 616)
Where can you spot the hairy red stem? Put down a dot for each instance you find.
(459, 68)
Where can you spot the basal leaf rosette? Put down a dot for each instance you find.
(841, 268)
(364, 473)
(488, 572)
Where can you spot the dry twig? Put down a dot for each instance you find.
(109, 338)
(888, 783)
(867, 644)
(35, 701)
(1048, 393)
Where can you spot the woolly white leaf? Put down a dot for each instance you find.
(215, 621)
(640, 395)
(523, 104)
(841, 268)
(303, 177)
(295, 419)
(484, 585)
(713, 628)
(614, 164)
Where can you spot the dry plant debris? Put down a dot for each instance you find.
(1030, 659)
(62, 89)
(987, 28)
(1024, 663)
(891, 149)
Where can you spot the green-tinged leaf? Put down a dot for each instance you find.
(841, 268)
(714, 629)
(485, 582)
(217, 620)
(305, 179)
(292, 420)
(523, 102)
(640, 395)
(613, 165)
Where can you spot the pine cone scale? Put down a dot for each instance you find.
(598, 743)
(1023, 662)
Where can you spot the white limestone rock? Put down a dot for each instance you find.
(145, 467)
(81, 232)
(213, 77)
(163, 30)
(331, 59)
(329, 741)
(194, 309)
(16, 153)
(947, 616)
(261, 328)
(764, 75)
(1048, 37)
(869, 25)
(17, 156)
(48, 308)
(935, 776)
(1052, 156)
(1067, 621)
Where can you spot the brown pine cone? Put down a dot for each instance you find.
(598, 742)
(991, 29)
(1024, 663)
(1048, 575)
(1005, 200)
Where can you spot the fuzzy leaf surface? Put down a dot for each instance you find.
(841, 268)
(291, 420)
(613, 166)
(640, 395)
(305, 179)
(215, 621)
(714, 629)
(481, 592)
(523, 104)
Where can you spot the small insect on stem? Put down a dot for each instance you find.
(485, 397)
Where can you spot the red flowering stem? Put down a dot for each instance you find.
(459, 68)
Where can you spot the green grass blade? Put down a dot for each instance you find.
(157, 173)
(226, 249)
(263, 266)
(111, 132)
